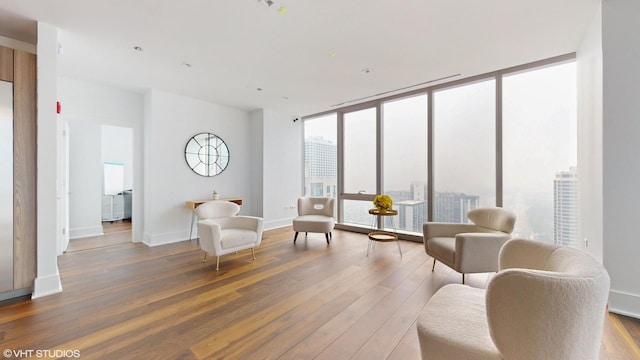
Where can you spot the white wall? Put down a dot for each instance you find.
(257, 162)
(90, 103)
(97, 103)
(170, 121)
(85, 179)
(621, 167)
(47, 277)
(282, 170)
(589, 64)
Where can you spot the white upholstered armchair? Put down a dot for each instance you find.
(470, 248)
(546, 302)
(315, 214)
(222, 231)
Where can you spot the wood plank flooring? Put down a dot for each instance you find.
(302, 301)
(115, 233)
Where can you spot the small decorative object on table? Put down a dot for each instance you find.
(383, 203)
(215, 195)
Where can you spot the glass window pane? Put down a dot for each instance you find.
(540, 152)
(405, 159)
(360, 152)
(356, 212)
(464, 150)
(320, 156)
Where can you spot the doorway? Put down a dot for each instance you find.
(100, 198)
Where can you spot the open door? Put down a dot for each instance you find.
(63, 187)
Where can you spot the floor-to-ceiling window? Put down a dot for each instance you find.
(540, 152)
(405, 149)
(320, 156)
(464, 150)
(506, 138)
(360, 164)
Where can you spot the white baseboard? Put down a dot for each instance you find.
(47, 285)
(85, 232)
(166, 238)
(276, 224)
(624, 303)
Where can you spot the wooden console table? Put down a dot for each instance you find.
(193, 204)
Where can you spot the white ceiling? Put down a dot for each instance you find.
(305, 61)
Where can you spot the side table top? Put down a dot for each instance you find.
(383, 212)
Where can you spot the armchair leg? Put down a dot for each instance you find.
(205, 257)
(434, 264)
(463, 278)
(218, 263)
(295, 237)
(253, 253)
(326, 235)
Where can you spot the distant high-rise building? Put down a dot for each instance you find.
(320, 167)
(565, 208)
(411, 214)
(419, 190)
(453, 207)
(411, 205)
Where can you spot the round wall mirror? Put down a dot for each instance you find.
(206, 154)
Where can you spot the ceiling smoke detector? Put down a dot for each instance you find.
(267, 2)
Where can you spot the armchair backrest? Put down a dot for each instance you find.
(547, 302)
(217, 209)
(494, 218)
(315, 206)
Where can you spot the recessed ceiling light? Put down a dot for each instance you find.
(332, 53)
(138, 48)
(282, 10)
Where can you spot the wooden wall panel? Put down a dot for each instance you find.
(24, 169)
(6, 64)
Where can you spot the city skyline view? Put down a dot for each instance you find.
(537, 141)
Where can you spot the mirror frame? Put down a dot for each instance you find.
(207, 154)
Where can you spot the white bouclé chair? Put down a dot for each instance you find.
(470, 248)
(222, 231)
(546, 302)
(315, 214)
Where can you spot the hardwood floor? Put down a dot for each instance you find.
(301, 301)
(115, 233)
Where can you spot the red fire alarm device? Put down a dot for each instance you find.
(58, 107)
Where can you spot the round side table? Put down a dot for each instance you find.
(380, 235)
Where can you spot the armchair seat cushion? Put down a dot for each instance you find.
(454, 325)
(443, 248)
(233, 238)
(313, 223)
